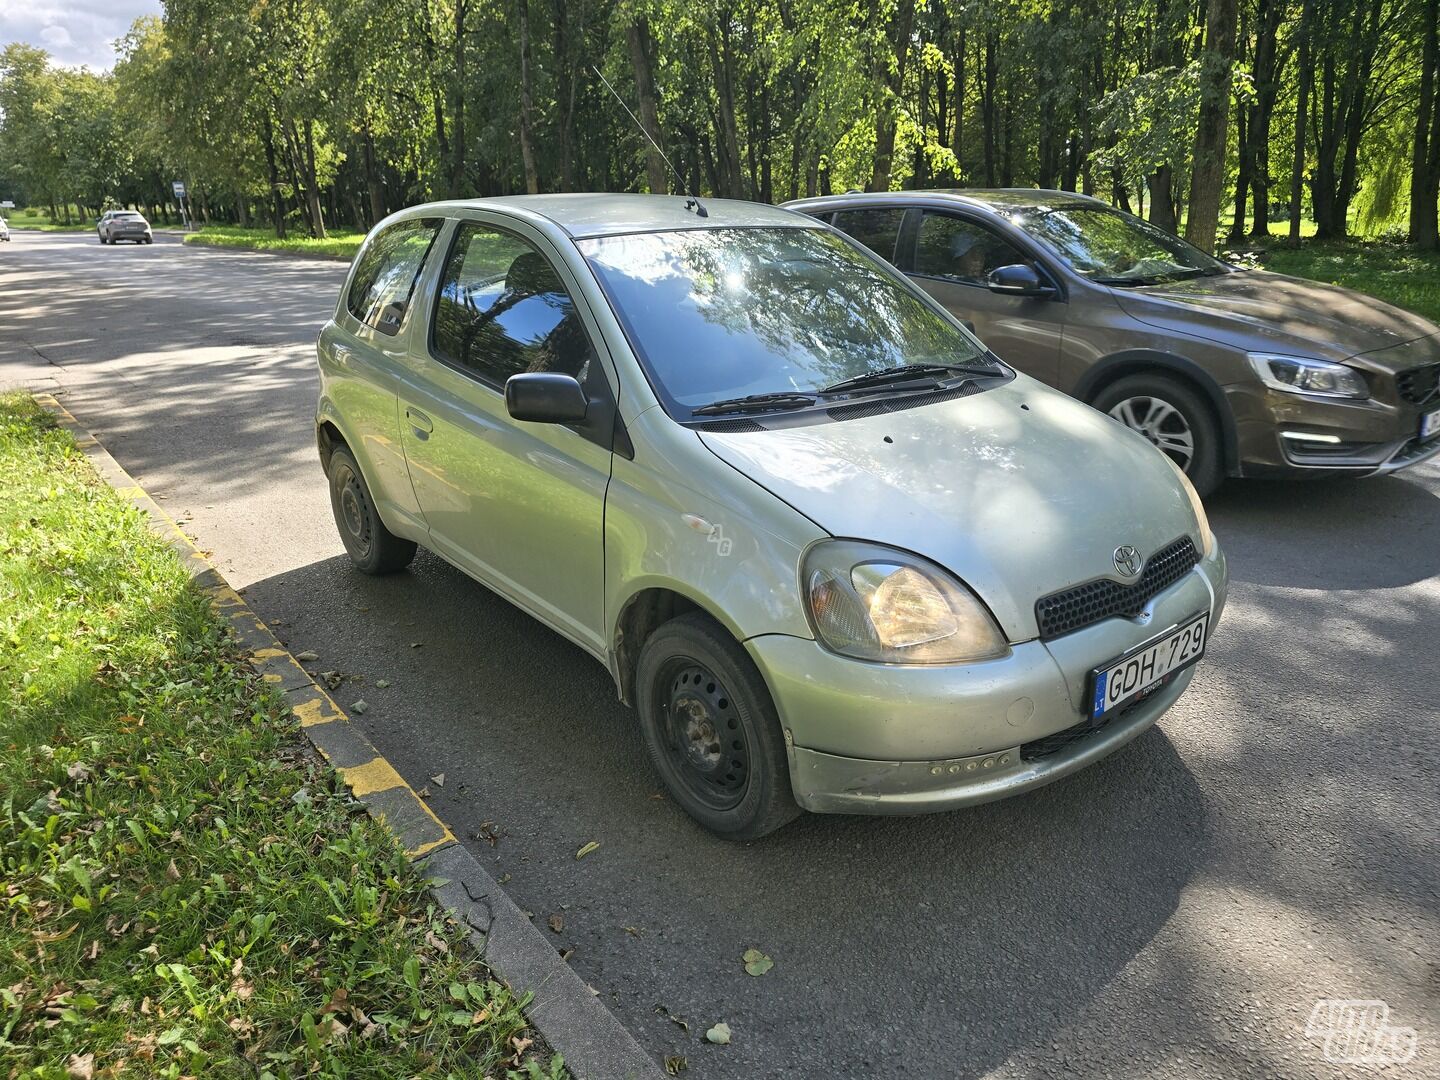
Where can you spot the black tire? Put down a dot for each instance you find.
(102, 237)
(1166, 411)
(372, 547)
(711, 729)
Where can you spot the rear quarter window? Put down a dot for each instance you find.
(386, 271)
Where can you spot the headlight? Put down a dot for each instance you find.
(1301, 375)
(1207, 538)
(875, 603)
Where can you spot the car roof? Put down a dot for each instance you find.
(999, 199)
(599, 214)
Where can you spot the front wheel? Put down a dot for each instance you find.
(372, 547)
(1176, 421)
(711, 729)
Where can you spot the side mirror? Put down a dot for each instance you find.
(546, 397)
(1018, 279)
(391, 316)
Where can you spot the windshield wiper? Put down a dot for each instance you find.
(901, 373)
(785, 399)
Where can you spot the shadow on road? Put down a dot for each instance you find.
(1373, 533)
(978, 927)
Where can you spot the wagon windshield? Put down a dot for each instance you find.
(1114, 248)
(724, 313)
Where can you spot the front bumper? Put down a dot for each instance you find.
(896, 739)
(1291, 434)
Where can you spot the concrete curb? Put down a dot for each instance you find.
(567, 1013)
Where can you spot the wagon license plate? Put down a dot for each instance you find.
(1429, 425)
(1128, 677)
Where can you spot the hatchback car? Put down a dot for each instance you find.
(1229, 371)
(837, 555)
(117, 225)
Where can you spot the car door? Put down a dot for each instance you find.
(519, 505)
(364, 352)
(951, 256)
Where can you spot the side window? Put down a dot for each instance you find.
(958, 250)
(876, 229)
(385, 275)
(503, 309)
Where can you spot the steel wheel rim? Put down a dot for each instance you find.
(702, 736)
(1160, 422)
(350, 506)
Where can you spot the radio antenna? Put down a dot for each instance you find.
(692, 201)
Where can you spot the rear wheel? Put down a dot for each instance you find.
(372, 547)
(1176, 421)
(711, 729)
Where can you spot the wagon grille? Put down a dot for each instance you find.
(1419, 385)
(1072, 609)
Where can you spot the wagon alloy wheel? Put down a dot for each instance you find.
(1160, 422)
(704, 737)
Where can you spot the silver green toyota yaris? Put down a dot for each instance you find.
(837, 555)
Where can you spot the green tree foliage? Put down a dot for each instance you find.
(307, 113)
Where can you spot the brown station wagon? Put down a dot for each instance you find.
(1230, 371)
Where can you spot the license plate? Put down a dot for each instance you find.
(1430, 424)
(1126, 678)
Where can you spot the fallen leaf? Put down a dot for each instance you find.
(438, 779)
(416, 644)
(678, 1021)
(756, 962)
(435, 942)
(80, 1066)
(359, 707)
(382, 683)
(593, 845)
(45, 938)
(634, 931)
(78, 771)
(565, 954)
(333, 679)
(675, 1065)
(719, 1034)
(307, 656)
(557, 922)
(172, 871)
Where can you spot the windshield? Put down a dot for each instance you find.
(718, 314)
(1115, 248)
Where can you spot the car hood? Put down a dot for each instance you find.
(1019, 491)
(1259, 311)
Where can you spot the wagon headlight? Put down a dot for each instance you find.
(875, 603)
(1302, 375)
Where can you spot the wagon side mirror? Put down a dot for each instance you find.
(1018, 279)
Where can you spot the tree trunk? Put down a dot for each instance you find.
(889, 83)
(637, 36)
(1208, 172)
(312, 187)
(987, 105)
(457, 102)
(527, 108)
(267, 138)
(1304, 79)
(1425, 151)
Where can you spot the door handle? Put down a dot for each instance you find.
(419, 421)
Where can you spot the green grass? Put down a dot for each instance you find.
(22, 219)
(184, 889)
(340, 244)
(1396, 273)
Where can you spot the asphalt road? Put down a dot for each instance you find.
(1176, 910)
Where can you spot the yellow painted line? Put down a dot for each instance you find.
(135, 492)
(319, 711)
(430, 845)
(261, 655)
(373, 776)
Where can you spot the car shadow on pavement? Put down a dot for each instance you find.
(966, 933)
(1374, 533)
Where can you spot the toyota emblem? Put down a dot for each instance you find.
(1128, 562)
